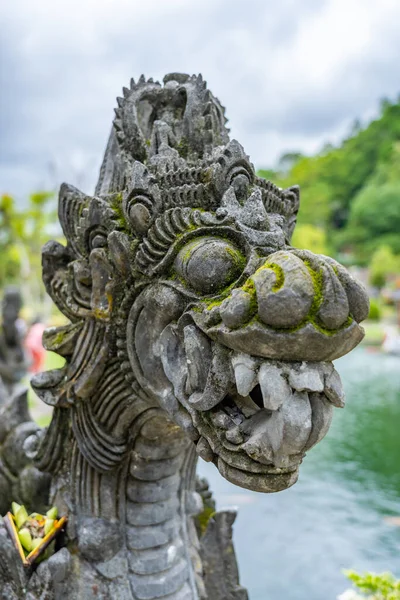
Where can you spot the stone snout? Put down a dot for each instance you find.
(296, 306)
(285, 290)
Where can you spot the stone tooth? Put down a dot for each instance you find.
(307, 379)
(334, 390)
(274, 388)
(234, 436)
(245, 368)
(218, 381)
(198, 352)
(322, 412)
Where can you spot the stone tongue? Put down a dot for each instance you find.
(218, 381)
(276, 437)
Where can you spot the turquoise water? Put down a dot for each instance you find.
(294, 545)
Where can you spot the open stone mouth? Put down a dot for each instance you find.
(271, 414)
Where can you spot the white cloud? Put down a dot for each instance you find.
(291, 74)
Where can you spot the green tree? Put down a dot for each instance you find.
(383, 263)
(310, 237)
(352, 190)
(22, 235)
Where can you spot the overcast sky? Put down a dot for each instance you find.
(293, 74)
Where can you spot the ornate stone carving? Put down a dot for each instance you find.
(195, 329)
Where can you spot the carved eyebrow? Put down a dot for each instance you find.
(241, 167)
(176, 224)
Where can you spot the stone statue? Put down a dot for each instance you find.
(195, 329)
(13, 361)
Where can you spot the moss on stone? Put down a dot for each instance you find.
(206, 176)
(330, 332)
(183, 148)
(279, 275)
(204, 518)
(116, 205)
(318, 280)
(249, 287)
(213, 303)
(58, 339)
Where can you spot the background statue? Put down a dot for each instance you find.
(195, 329)
(13, 360)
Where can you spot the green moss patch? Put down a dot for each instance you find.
(204, 518)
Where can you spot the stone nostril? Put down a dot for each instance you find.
(285, 291)
(237, 309)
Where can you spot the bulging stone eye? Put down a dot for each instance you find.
(209, 264)
(139, 214)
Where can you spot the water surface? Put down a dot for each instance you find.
(293, 545)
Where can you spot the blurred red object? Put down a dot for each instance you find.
(34, 347)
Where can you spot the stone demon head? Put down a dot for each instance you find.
(179, 273)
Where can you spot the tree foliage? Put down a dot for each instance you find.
(23, 231)
(383, 264)
(352, 191)
(310, 237)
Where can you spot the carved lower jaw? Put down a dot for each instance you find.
(266, 482)
(270, 414)
(240, 469)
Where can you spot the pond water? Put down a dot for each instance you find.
(294, 545)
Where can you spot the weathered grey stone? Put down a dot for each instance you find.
(114, 567)
(98, 539)
(237, 309)
(13, 451)
(218, 556)
(33, 488)
(191, 318)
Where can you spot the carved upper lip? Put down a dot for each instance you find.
(305, 343)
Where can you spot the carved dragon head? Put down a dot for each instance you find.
(181, 267)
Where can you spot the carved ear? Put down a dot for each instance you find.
(141, 201)
(232, 161)
(72, 210)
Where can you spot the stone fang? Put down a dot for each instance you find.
(275, 389)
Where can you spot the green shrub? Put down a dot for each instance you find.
(374, 310)
(377, 587)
